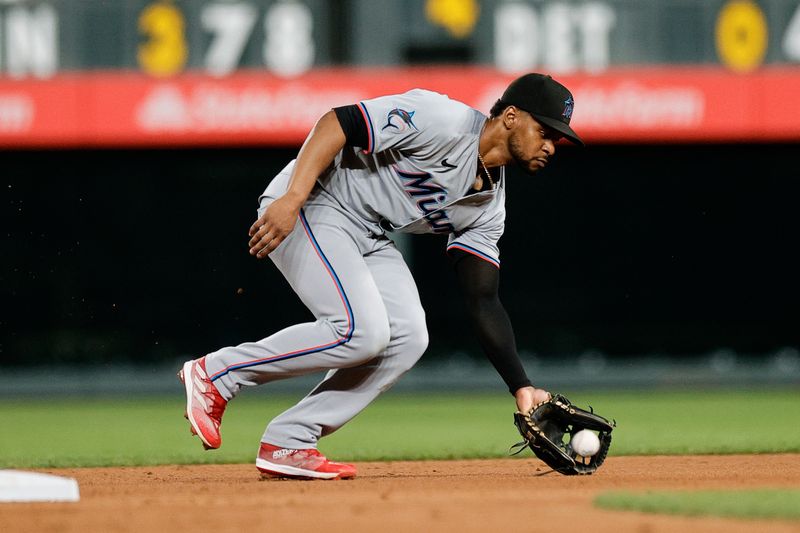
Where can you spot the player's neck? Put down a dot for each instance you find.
(493, 143)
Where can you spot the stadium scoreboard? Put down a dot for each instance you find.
(39, 38)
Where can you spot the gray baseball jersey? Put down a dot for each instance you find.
(416, 172)
(415, 176)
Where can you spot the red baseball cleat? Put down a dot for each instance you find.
(204, 404)
(273, 461)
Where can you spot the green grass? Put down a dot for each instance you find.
(116, 431)
(760, 503)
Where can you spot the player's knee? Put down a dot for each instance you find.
(418, 339)
(371, 335)
(414, 342)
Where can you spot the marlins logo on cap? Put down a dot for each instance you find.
(569, 104)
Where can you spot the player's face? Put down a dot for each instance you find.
(531, 143)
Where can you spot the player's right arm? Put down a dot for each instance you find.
(344, 126)
(318, 151)
(480, 281)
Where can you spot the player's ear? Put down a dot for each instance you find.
(510, 116)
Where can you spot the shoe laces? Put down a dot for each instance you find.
(214, 404)
(217, 403)
(311, 452)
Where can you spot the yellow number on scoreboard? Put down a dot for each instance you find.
(165, 51)
(457, 16)
(741, 35)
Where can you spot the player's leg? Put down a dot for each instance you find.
(324, 265)
(346, 392)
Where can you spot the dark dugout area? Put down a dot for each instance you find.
(140, 256)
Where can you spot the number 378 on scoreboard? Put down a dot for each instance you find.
(288, 46)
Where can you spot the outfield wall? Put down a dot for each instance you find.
(139, 256)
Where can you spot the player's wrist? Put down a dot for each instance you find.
(295, 199)
(518, 387)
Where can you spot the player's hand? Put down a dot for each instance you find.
(527, 397)
(273, 226)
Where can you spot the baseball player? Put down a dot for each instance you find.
(416, 162)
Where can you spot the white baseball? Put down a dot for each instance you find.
(585, 443)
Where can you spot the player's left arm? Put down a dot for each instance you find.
(480, 282)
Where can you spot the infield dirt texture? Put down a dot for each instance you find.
(474, 495)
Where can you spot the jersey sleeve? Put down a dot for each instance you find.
(481, 239)
(408, 121)
(353, 126)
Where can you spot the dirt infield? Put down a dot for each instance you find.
(480, 495)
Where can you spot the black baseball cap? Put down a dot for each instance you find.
(547, 100)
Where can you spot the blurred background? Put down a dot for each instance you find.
(136, 136)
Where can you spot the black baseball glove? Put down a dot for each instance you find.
(545, 426)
